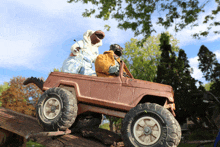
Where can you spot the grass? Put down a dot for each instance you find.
(33, 144)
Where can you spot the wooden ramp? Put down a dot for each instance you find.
(23, 125)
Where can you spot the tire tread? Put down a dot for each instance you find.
(69, 109)
(173, 136)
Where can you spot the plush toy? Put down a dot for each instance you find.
(84, 53)
(108, 64)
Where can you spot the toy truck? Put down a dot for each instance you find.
(76, 101)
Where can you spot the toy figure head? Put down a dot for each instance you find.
(116, 49)
(97, 36)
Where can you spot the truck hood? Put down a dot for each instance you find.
(148, 85)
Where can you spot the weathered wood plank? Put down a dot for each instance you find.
(22, 125)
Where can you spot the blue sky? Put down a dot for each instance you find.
(36, 37)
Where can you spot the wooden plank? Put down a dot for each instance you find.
(22, 125)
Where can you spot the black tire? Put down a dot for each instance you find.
(36, 81)
(146, 120)
(86, 120)
(60, 103)
(179, 132)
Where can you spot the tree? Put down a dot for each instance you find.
(142, 61)
(16, 97)
(114, 121)
(137, 14)
(175, 71)
(210, 68)
(3, 87)
(207, 62)
(207, 86)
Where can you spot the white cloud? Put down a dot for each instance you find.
(18, 53)
(116, 35)
(72, 14)
(25, 39)
(194, 63)
(185, 35)
(197, 74)
(217, 53)
(53, 7)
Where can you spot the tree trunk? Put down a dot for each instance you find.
(111, 123)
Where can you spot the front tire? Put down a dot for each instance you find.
(56, 109)
(179, 132)
(149, 125)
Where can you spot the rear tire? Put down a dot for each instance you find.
(56, 109)
(149, 125)
(87, 120)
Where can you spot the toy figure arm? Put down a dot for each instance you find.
(75, 48)
(114, 69)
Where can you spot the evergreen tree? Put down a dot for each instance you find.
(210, 68)
(207, 62)
(175, 71)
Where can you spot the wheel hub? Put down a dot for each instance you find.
(52, 108)
(147, 130)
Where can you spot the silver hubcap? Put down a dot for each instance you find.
(52, 108)
(147, 130)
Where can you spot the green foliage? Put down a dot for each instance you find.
(202, 134)
(56, 69)
(142, 61)
(207, 86)
(114, 121)
(105, 126)
(136, 14)
(175, 71)
(3, 87)
(210, 68)
(33, 144)
(207, 62)
(107, 27)
(17, 95)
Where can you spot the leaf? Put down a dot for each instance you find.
(107, 27)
